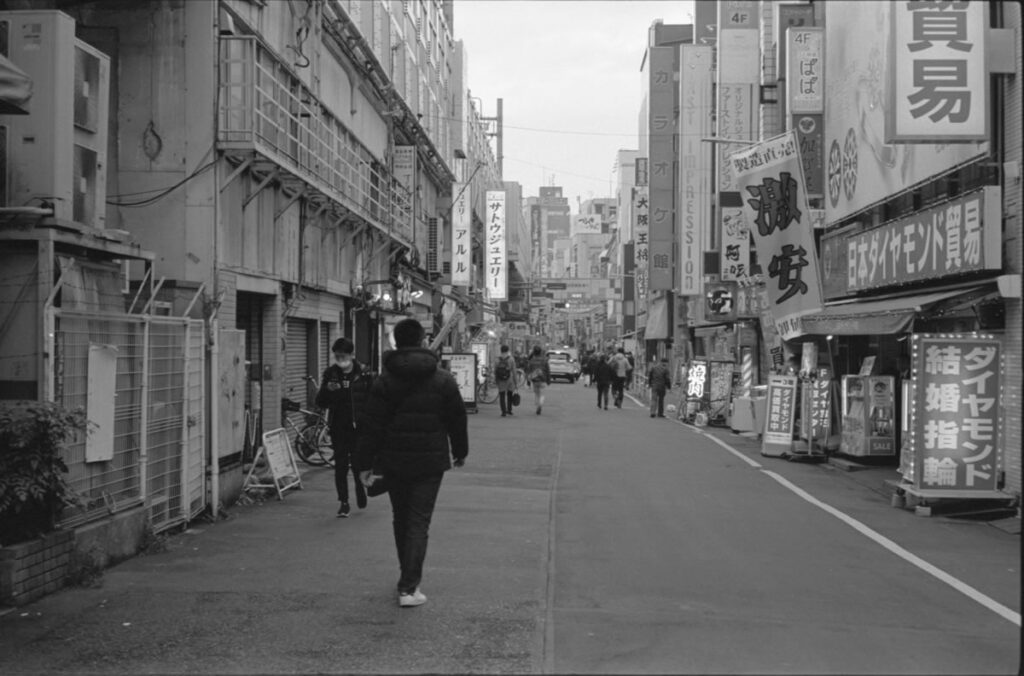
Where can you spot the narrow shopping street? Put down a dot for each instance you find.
(578, 541)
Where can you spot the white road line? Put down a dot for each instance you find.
(941, 575)
(899, 551)
(548, 650)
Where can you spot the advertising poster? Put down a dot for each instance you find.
(463, 367)
(770, 178)
(735, 244)
(955, 413)
(781, 416)
(939, 75)
(586, 224)
(480, 350)
(817, 418)
(868, 415)
(496, 260)
(720, 385)
(861, 167)
(462, 243)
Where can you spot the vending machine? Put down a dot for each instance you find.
(868, 415)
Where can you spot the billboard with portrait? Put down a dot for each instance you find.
(861, 168)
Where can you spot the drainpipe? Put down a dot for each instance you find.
(214, 326)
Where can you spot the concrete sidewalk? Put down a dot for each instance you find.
(285, 587)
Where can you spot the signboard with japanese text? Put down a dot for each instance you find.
(939, 74)
(720, 302)
(805, 62)
(770, 177)
(780, 416)
(697, 384)
(405, 166)
(810, 133)
(949, 239)
(463, 367)
(695, 99)
(720, 388)
(495, 258)
(739, 48)
(536, 239)
(816, 421)
(462, 242)
(868, 415)
(861, 167)
(640, 172)
(796, 16)
(641, 252)
(735, 251)
(586, 224)
(662, 154)
(735, 119)
(955, 431)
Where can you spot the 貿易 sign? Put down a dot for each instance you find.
(940, 83)
(958, 236)
(770, 178)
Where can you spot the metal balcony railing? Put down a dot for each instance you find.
(264, 107)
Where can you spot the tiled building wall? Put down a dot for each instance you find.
(1013, 253)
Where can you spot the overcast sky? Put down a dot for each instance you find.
(569, 74)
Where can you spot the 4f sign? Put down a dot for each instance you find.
(938, 72)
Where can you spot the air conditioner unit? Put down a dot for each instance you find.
(58, 152)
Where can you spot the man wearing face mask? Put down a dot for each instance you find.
(343, 391)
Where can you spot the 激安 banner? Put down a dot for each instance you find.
(861, 167)
(955, 411)
(462, 242)
(958, 236)
(940, 82)
(496, 262)
(770, 178)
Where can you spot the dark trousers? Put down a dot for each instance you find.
(343, 446)
(658, 402)
(617, 385)
(412, 506)
(505, 399)
(602, 393)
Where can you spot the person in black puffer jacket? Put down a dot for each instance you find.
(344, 388)
(415, 425)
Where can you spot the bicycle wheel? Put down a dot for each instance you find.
(305, 450)
(316, 439)
(487, 392)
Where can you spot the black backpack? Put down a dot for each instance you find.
(502, 372)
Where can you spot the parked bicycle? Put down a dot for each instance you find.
(487, 389)
(313, 437)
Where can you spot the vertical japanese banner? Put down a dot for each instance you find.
(640, 172)
(770, 178)
(495, 265)
(662, 154)
(640, 248)
(537, 240)
(805, 102)
(694, 164)
(735, 250)
(404, 164)
(938, 73)
(779, 416)
(954, 424)
(462, 243)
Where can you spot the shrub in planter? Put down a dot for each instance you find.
(33, 490)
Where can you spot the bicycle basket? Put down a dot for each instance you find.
(289, 406)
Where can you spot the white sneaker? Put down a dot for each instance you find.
(417, 598)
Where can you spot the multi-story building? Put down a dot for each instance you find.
(289, 165)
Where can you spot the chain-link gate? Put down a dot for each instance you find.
(158, 426)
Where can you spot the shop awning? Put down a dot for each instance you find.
(893, 315)
(15, 88)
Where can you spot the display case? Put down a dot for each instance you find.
(868, 415)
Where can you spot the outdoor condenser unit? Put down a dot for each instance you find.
(58, 152)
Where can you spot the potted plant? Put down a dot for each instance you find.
(33, 491)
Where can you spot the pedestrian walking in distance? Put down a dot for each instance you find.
(415, 431)
(344, 388)
(659, 379)
(538, 373)
(620, 365)
(504, 375)
(603, 376)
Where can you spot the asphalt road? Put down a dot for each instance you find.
(672, 555)
(577, 541)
